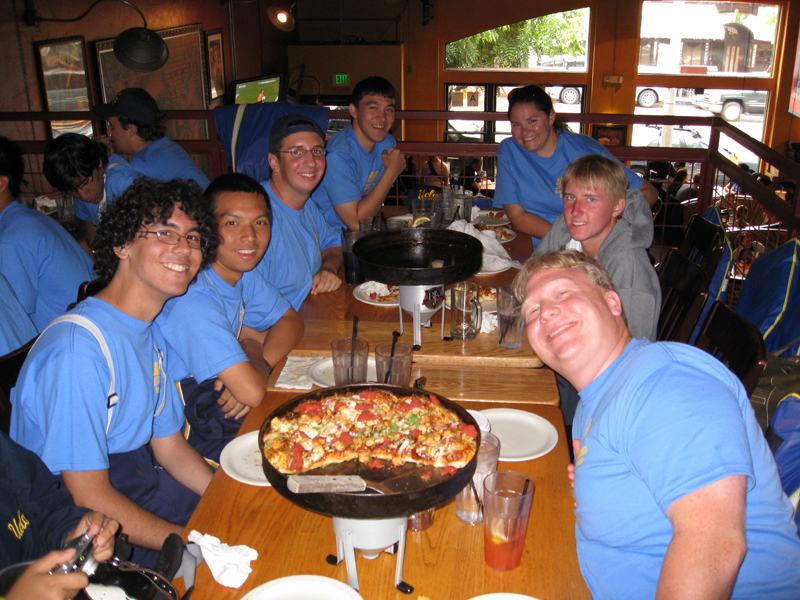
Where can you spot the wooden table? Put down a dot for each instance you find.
(446, 561)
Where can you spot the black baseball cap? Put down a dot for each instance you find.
(133, 103)
(289, 124)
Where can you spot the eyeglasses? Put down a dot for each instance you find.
(77, 188)
(301, 152)
(194, 240)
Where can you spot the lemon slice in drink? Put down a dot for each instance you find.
(420, 220)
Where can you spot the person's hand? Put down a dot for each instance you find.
(106, 141)
(325, 281)
(104, 531)
(36, 581)
(230, 406)
(394, 162)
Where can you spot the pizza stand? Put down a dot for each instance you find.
(375, 520)
(421, 261)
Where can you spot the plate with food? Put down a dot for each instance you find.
(491, 217)
(356, 451)
(307, 587)
(505, 234)
(486, 295)
(241, 460)
(503, 596)
(377, 294)
(321, 372)
(399, 222)
(523, 435)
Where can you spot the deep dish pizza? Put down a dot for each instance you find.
(375, 427)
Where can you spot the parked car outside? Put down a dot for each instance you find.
(646, 97)
(732, 104)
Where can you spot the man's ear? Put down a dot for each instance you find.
(619, 208)
(122, 251)
(3, 183)
(614, 303)
(353, 110)
(274, 163)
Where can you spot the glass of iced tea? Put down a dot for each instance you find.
(507, 497)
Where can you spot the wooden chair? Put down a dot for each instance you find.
(703, 243)
(736, 342)
(684, 290)
(10, 366)
(88, 288)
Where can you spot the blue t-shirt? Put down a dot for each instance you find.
(661, 422)
(534, 182)
(294, 254)
(59, 403)
(16, 327)
(223, 308)
(118, 177)
(42, 262)
(350, 173)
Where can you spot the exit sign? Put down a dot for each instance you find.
(341, 79)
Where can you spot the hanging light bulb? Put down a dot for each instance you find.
(281, 18)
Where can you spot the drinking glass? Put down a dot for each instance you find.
(507, 497)
(349, 360)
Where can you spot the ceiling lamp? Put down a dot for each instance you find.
(138, 48)
(281, 18)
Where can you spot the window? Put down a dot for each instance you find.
(554, 42)
(708, 38)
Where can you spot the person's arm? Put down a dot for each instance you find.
(327, 278)
(280, 339)
(246, 381)
(93, 489)
(650, 193)
(708, 542)
(394, 163)
(526, 222)
(182, 461)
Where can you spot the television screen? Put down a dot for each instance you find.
(262, 89)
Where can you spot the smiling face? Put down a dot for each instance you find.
(156, 271)
(575, 327)
(533, 129)
(372, 120)
(90, 189)
(590, 214)
(244, 233)
(293, 179)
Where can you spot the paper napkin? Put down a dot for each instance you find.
(230, 565)
(293, 376)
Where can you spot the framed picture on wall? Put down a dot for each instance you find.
(181, 84)
(215, 59)
(63, 81)
(610, 135)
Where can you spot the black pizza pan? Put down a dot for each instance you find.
(405, 490)
(405, 256)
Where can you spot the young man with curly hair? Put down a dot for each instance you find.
(157, 236)
(136, 127)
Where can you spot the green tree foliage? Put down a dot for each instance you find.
(513, 45)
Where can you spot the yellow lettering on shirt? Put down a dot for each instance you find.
(580, 453)
(558, 186)
(373, 177)
(156, 376)
(18, 525)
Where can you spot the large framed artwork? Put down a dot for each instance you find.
(216, 64)
(181, 84)
(63, 81)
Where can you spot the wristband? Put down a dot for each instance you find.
(269, 372)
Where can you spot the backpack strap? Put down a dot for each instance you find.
(237, 123)
(87, 324)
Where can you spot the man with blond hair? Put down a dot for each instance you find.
(676, 491)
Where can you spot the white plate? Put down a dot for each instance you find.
(303, 587)
(510, 231)
(360, 295)
(484, 218)
(503, 596)
(495, 271)
(523, 435)
(321, 372)
(241, 460)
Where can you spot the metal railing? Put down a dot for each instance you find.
(759, 217)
